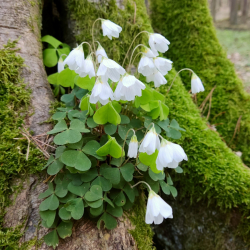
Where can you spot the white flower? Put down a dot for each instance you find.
(196, 84)
(149, 53)
(110, 29)
(110, 69)
(101, 92)
(150, 143)
(146, 66)
(158, 42)
(170, 154)
(157, 209)
(163, 65)
(87, 68)
(133, 147)
(100, 53)
(75, 58)
(127, 88)
(60, 65)
(157, 78)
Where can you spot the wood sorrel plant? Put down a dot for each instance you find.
(109, 115)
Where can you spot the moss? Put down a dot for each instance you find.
(188, 26)
(142, 233)
(213, 173)
(14, 103)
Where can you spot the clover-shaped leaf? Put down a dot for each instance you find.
(64, 214)
(149, 160)
(76, 207)
(51, 239)
(109, 221)
(49, 216)
(91, 148)
(94, 194)
(51, 203)
(79, 190)
(60, 126)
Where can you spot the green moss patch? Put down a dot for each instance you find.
(14, 103)
(188, 26)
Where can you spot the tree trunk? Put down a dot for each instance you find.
(22, 19)
(245, 11)
(213, 9)
(234, 12)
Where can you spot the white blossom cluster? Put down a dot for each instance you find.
(127, 88)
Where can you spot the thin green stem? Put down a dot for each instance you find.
(93, 39)
(144, 31)
(143, 183)
(134, 60)
(177, 75)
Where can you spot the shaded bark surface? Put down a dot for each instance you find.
(20, 19)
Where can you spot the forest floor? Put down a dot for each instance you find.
(237, 45)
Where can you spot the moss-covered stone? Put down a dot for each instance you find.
(189, 27)
(14, 103)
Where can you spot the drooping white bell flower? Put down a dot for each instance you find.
(87, 68)
(146, 66)
(128, 88)
(157, 209)
(170, 155)
(75, 58)
(150, 143)
(196, 84)
(110, 69)
(110, 29)
(163, 65)
(157, 78)
(60, 65)
(101, 92)
(149, 53)
(100, 53)
(158, 42)
(133, 147)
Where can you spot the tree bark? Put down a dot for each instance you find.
(234, 12)
(245, 7)
(19, 20)
(213, 9)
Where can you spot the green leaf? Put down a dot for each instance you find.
(51, 40)
(76, 159)
(127, 171)
(165, 187)
(51, 239)
(157, 96)
(149, 160)
(52, 79)
(142, 167)
(120, 199)
(103, 182)
(153, 184)
(117, 106)
(123, 130)
(91, 123)
(110, 129)
(65, 229)
(124, 119)
(89, 175)
(61, 188)
(60, 126)
(95, 204)
(161, 110)
(51, 203)
(106, 114)
(117, 162)
(114, 211)
(49, 216)
(129, 192)
(169, 180)
(108, 201)
(79, 126)
(48, 192)
(50, 57)
(109, 221)
(112, 174)
(79, 190)
(68, 197)
(173, 191)
(67, 97)
(55, 167)
(59, 116)
(96, 211)
(164, 124)
(146, 97)
(135, 123)
(68, 136)
(156, 176)
(64, 214)
(86, 82)
(66, 78)
(91, 148)
(94, 194)
(111, 148)
(178, 170)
